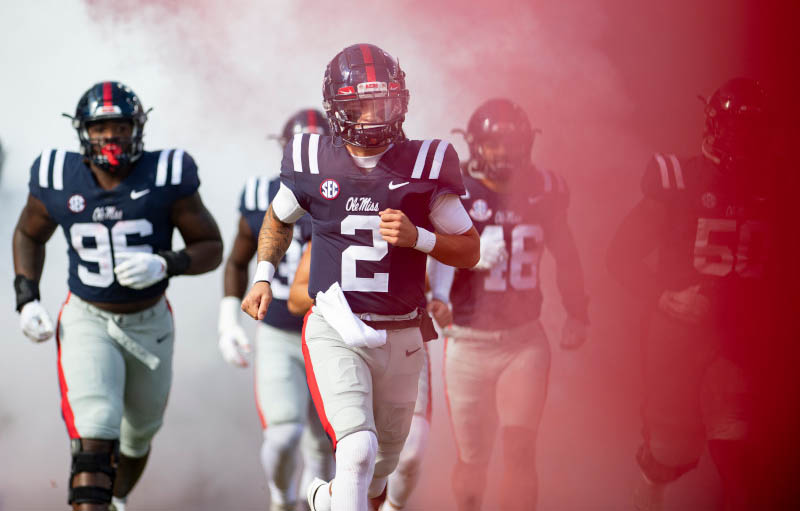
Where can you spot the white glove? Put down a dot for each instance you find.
(233, 342)
(139, 270)
(492, 252)
(573, 334)
(688, 305)
(35, 322)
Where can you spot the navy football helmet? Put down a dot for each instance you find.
(502, 124)
(735, 122)
(365, 97)
(105, 101)
(305, 121)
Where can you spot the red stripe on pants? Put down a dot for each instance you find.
(314, 388)
(66, 409)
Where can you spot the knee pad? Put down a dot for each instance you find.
(657, 472)
(356, 452)
(519, 446)
(100, 458)
(283, 437)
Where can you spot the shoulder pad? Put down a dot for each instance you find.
(174, 166)
(664, 174)
(430, 156)
(48, 169)
(255, 196)
(304, 148)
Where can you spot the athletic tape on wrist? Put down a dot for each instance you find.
(426, 240)
(264, 272)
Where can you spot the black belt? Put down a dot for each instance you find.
(394, 325)
(422, 321)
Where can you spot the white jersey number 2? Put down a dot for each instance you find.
(379, 282)
(104, 240)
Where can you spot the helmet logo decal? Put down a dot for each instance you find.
(372, 87)
(345, 91)
(329, 189)
(76, 203)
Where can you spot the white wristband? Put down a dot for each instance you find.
(264, 272)
(426, 240)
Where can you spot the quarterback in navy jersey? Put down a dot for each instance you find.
(118, 206)
(497, 357)
(282, 398)
(374, 199)
(710, 219)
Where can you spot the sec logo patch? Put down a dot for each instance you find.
(76, 203)
(480, 211)
(329, 189)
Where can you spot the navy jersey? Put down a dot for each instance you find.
(718, 232)
(100, 224)
(344, 200)
(508, 294)
(256, 196)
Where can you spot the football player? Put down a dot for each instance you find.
(282, 398)
(708, 218)
(374, 198)
(497, 356)
(118, 206)
(404, 478)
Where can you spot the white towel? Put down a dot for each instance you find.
(334, 308)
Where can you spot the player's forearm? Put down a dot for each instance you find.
(637, 237)
(204, 256)
(299, 300)
(274, 238)
(458, 250)
(235, 279)
(28, 255)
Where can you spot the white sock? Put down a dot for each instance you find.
(355, 464)
(404, 478)
(279, 458)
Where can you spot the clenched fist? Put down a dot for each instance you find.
(397, 229)
(257, 300)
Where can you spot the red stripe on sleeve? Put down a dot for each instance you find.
(368, 62)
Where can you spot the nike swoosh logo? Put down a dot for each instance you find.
(159, 341)
(534, 200)
(409, 353)
(393, 186)
(141, 193)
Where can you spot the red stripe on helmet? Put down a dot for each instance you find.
(107, 96)
(368, 62)
(311, 119)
